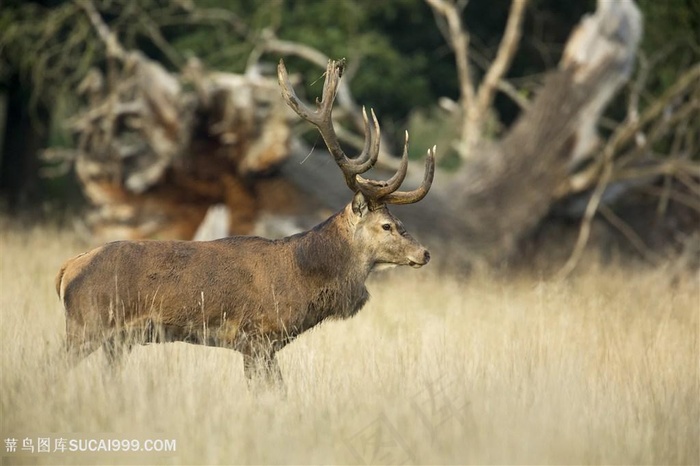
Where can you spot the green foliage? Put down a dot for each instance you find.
(47, 48)
(671, 39)
(361, 31)
(392, 80)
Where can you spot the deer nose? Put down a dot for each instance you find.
(426, 257)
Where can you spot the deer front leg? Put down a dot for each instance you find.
(262, 366)
(115, 347)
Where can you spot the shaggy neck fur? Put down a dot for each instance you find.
(336, 271)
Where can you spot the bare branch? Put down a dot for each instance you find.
(218, 15)
(114, 48)
(511, 91)
(688, 200)
(153, 31)
(504, 57)
(271, 44)
(459, 40)
(688, 80)
(632, 127)
(623, 134)
(585, 231)
(508, 88)
(475, 104)
(630, 234)
(689, 182)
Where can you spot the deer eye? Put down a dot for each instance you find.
(386, 226)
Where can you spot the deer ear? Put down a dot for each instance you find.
(359, 204)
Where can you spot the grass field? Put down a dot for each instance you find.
(602, 368)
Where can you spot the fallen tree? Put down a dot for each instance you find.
(155, 150)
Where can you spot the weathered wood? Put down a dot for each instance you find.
(156, 150)
(504, 192)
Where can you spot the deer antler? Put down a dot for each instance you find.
(375, 190)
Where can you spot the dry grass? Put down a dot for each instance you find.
(600, 369)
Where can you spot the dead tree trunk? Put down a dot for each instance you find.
(508, 187)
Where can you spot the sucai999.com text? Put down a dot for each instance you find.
(64, 444)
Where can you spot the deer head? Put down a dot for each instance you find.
(378, 233)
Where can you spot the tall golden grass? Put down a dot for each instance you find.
(602, 368)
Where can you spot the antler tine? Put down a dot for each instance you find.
(290, 96)
(378, 189)
(321, 118)
(410, 197)
(370, 152)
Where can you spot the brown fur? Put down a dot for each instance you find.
(246, 293)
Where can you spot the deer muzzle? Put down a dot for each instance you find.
(420, 260)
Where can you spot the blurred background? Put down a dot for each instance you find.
(163, 119)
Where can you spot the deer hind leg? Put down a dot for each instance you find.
(82, 341)
(78, 346)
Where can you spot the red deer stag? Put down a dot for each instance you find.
(250, 294)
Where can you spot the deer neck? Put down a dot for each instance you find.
(327, 252)
(332, 270)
